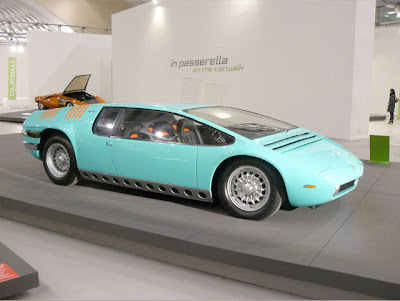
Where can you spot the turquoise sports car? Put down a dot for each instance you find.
(252, 163)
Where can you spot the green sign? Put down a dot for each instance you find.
(379, 149)
(12, 78)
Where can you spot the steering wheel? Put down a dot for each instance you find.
(220, 140)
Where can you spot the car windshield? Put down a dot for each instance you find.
(248, 124)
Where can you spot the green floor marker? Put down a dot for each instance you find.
(379, 149)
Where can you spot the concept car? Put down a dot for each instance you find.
(251, 163)
(73, 95)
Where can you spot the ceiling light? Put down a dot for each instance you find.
(391, 12)
(13, 48)
(386, 16)
(20, 48)
(155, 2)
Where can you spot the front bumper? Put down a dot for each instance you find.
(31, 146)
(32, 142)
(330, 184)
(31, 134)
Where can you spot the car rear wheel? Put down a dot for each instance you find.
(249, 189)
(59, 161)
(41, 106)
(69, 104)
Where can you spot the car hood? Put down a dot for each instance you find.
(49, 95)
(305, 149)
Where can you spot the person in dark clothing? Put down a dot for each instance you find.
(391, 105)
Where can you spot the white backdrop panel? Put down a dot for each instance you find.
(386, 66)
(298, 58)
(55, 58)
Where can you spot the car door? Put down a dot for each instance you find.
(92, 147)
(145, 146)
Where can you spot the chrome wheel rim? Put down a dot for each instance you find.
(70, 104)
(248, 188)
(57, 160)
(41, 106)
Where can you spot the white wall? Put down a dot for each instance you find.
(55, 58)
(22, 72)
(300, 58)
(386, 67)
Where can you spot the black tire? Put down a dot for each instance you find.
(69, 104)
(61, 170)
(246, 181)
(41, 106)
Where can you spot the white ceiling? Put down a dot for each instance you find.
(19, 16)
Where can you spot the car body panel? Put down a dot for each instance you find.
(300, 156)
(169, 163)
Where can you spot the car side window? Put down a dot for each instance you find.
(214, 137)
(148, 125)
(105, 122)
(159, 126)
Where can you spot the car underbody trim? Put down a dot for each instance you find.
(174, 190)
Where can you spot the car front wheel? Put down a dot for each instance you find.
(249, 189)
(69, 104)
(59, 161)
(41, 106)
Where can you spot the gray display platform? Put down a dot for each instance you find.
(18, 116)
(377, 117)
(348, 248)
(16, 276)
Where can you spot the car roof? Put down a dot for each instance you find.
(160, 106)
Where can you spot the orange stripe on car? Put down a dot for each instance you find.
(186, 130)
(75, 114)
(44, 115)
(54, 113)
(49, 113)
(83, 111)
(175, 127)
(70, 112)
(134, 136)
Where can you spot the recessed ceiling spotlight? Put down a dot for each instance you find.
(155, 2)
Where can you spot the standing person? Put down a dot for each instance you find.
(391, 105)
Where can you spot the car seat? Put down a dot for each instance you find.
(136, 131)
(163, 130)
(188, 132)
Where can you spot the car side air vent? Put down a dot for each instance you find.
(183, 192)
(290, 143)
